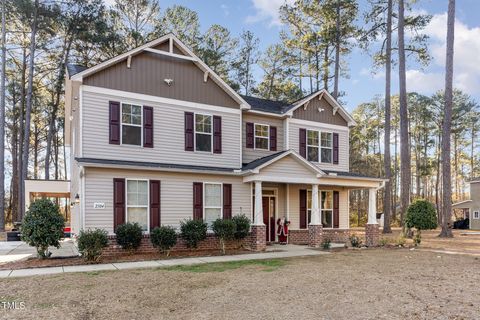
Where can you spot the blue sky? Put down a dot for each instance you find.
(261, 17)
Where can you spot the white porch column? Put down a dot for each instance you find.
(316, 218)
(258, 204)
(372, 206)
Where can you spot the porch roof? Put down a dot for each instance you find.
(462, 204)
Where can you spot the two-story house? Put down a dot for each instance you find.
(156, 137)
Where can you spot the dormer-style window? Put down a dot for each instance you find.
(131, 124)
(261, 136)
(203, 132)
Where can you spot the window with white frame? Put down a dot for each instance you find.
(131, 124)
(312, 145)
(137, 202)
(326, 143)
(326, 207)
(476, 214)
(203, 132)
(262, 135)
(212, 202)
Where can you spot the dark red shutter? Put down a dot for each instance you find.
(249, 135)
(118, 202)
(189, 131)
(227, 201)
(273, 138)
(114, 122)
(217, 134)
(302, 143)
(197, 200)
(148, 127)
(336, 208)
(335, 148)
(155, 196)
(303, 209)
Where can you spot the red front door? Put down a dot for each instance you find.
(268, 204)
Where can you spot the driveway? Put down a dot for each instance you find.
(18, 250)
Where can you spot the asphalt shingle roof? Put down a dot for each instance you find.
(259, 104)
(258, 162)
(73, 69)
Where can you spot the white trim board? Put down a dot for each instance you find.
(144, 97)
(319, 125)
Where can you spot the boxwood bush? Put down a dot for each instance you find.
(164, 238)
(43, 226)
(129, 235)
(225, 230)
(421, 215)
(91, 243)
(193, 231)
(242, 226)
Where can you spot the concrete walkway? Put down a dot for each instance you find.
(18, 250)
(273, 252)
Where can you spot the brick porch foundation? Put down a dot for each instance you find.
(315, 235)
(258, 238)
(372, 235)
(334, 235)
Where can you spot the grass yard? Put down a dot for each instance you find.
(353, 284)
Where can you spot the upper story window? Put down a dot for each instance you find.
(319, 146)
(213, 202)
(203, 132)
(137, 202)
(261, 136)
(131, 124)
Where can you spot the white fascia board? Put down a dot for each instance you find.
(316, 124)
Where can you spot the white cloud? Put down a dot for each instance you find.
(374, 74)
(466, 58)
(226, 11)
(267, 10)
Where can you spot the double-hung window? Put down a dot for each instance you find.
(131, 124)
(213, 202)
(326, 207)
(476, 214)
(203, 132)
(261, 136)
(312, 145)
(326, 143)
(137, 202)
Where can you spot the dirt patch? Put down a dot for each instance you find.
(356, 284)
(34, 262)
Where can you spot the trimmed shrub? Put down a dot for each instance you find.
(421, 215)
(225, 230)
(355, 241)
(242, 226)
(129, 235)
(43, 226)
(326, 244)
(164, 238)
(91, 243)
(193, 231)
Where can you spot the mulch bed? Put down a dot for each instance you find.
(34, 262)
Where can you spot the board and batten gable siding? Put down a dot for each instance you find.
(169, 139)
(343, 143)
(311, 113)
(176, 194)
(250, 154)
(294, 205)
(147, 75)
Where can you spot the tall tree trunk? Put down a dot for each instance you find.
(387, 161)
(447, 124)
(2, 123)
(337, 52)
(28, 108)
(325, 68)
(21, 129)
(405, 167)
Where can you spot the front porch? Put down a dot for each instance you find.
(315, 202)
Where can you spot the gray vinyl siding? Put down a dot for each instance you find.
(475, 204)
(176, 194)
(168, 135)
(294, 205)
(343, 145)
(250, 154)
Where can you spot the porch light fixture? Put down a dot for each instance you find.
(77, 199)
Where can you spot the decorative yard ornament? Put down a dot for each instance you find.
(282, 230)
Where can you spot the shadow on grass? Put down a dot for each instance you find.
(266, 266)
